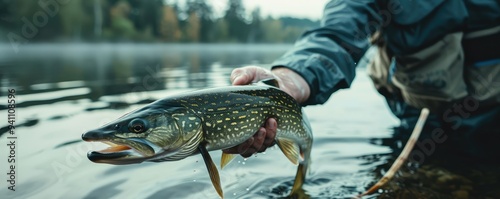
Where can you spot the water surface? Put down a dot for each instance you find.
(65, 90)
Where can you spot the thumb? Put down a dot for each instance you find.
(243, 76)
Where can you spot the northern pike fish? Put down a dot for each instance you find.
(195, 122)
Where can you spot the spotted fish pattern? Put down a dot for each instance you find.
(232, 115)
(181, 125)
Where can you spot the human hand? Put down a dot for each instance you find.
(288, 81)
(263, 139)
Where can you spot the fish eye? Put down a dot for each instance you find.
(138, 126)
(117, 126)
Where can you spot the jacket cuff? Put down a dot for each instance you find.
(321, 74)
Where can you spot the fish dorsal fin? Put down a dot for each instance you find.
(290, 149)
(226, 159)
(270, 82)
(212, 170)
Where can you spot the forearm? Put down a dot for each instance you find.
(326, 57)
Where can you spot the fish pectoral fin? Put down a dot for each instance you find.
(290, 149)
(212, 170)
(226, 159)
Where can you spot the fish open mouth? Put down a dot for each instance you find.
(130, 151)
(113, 152)
(120, 150)
(114, 148)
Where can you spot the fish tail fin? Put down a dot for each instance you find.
(299, 181)
(297, 191)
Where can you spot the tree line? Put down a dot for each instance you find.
(143, 21)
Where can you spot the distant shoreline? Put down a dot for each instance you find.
(6, 49)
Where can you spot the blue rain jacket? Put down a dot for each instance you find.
(326, 56)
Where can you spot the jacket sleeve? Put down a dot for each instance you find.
(326, 57)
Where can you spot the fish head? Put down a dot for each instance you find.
(136, 137)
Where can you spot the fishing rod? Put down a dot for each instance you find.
(403, 156)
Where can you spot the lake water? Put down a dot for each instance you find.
(65, 90)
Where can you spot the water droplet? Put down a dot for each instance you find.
(194, 180)
(381, 191)
(245, 159)
(234, 194)
(264, 153)
(243, 163)
(239, 162)
(248, 189)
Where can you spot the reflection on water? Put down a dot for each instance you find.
(65, 90)
(116, 76)
(116, 69)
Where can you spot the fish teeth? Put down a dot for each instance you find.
(110, 143)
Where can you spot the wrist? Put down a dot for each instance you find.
(292, 83)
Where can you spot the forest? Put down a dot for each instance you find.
(192, 21)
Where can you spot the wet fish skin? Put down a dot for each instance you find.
(206, 120)
(230, 116)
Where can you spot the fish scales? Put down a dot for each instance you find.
(230, 117)
(178, 126)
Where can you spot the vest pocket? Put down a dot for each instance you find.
(432, 77)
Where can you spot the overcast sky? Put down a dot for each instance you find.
(312, 9)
